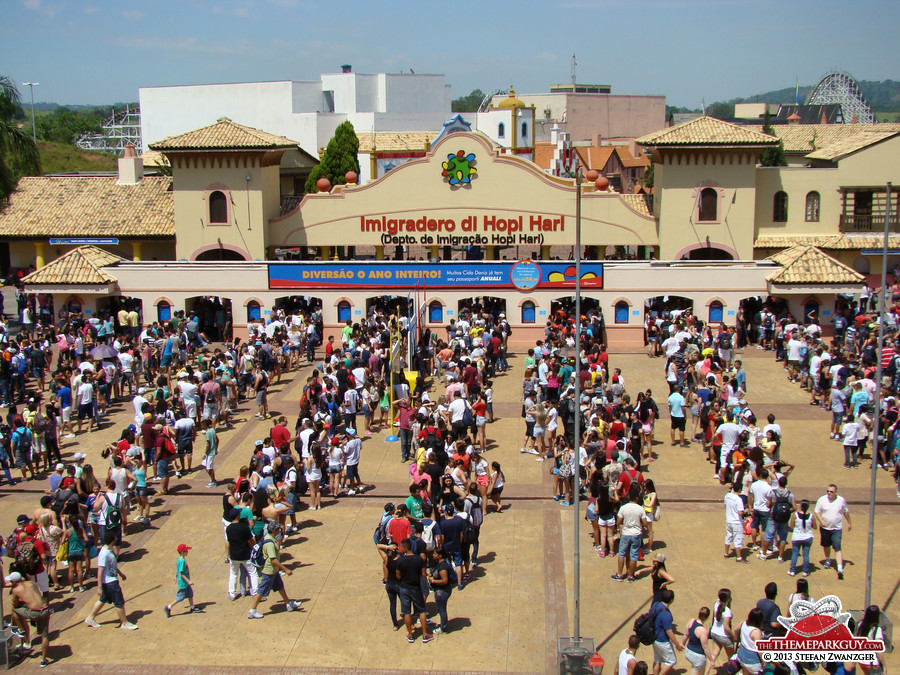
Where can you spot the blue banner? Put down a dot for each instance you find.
(524, 275)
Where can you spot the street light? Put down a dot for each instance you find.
(32, 85)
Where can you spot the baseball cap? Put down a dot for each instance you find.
(31, 529)
(12, 578)
(267, 470)
(22, 519)
(148, 417)
(234, 513)
(141, 391)
(60, 467)
(258, 444)
(660, 557)
(350, 432)
(183, 547)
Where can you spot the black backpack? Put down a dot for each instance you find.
(725, 341)
(468, 534)
(781, 509)
(645, 627)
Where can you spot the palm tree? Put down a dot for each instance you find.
(18, 153)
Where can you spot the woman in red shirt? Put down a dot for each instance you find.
(479, 410)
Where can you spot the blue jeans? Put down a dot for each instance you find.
(849, 455)
(442, 597)
(5, 464)
(393, 592)
(796, 548)
(405, 443)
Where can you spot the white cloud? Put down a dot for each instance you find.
(133, 14)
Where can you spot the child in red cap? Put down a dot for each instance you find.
(183, 582)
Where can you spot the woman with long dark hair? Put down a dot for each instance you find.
(721, 632)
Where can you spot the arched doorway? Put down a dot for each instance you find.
(220, 253)
(486, 304)
(214, 316)
(668, 307)
(115, 305)
(709, 253)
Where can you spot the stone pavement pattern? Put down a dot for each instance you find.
(521, 597)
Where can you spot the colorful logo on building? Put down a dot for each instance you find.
(818, 632)
(564, 275)
(459, 168)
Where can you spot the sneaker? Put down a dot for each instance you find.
(253, 614)
(523, 450)
(91, 622)
(439, 629)
(806, 574)
(762, 556)
(557, 498)
(178, 475)
(792, 573)
(194, 610)
(840, 575)
(128, 626)
(427, 638)
(168, 611)
(781, 560)
(565, 503)
(69, 436)
(292, 606)
(617, 577)
(827, 564)
(350, 493)
(44, 663)
(211, 484)
(601, 553)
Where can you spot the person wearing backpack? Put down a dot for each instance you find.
(473, 505)
(802, 524)
(664, 644)
(21, 445)
(108, 588)
(781, 505)
(108, 510)
(270, 578)
(442, 578)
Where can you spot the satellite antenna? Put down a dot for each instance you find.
(574, 67)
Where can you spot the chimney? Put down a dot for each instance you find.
(794, 119)
(346, 68)
(131, 167)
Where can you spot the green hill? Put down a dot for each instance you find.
(62, 158)
(882, 96)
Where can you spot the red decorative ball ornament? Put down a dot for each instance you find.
(602, 183)
(592, 175)
(323, 185)
(351, 177)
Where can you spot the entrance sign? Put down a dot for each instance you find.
(522, 275)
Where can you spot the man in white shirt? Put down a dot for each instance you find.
(831, 512)
(457, 409)
(138, 403)
(304, 436)
(793, 356)
(189, 395)
(734, 524)
(730, 433)
(759, 493)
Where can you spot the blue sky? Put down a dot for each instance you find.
(94, 51)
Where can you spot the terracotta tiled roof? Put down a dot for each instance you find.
(224, 135)
(543, 155)
(834, 242)
(803, 138)
(705, 132)
(395, 141)
(639, 202)
(804, 264)
(154, 158)
(89, 207)
(593, 157)
(82, 265)
(628, 160)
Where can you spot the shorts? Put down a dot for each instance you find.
(760, 520)
(23, 459)
(678, 423)
(837, 417)
(43, 581)
(261, 397)
(698, 661)
(291, 499)
(166, 361)
(529, 429)
(269, 583)
(142, 492)
(184, 594)
(39, 617)
(480, 421)
(211, 411)
(832, 538)
(117, 530)
(664, 653)
(111, 594)
(591, 514)
(66, 413)
(456, 557)
(750, 660)
(538, 432)
(208, 462)
(721, 640)
(352, 472)
(85, 411)
(630, 545)
(773, 528)
(481, 480)
(734, 534)
(190, 409)
(334, 468)
(608, 520)
(412, 601)
(162, 468)
(496, 492)
(75, 556)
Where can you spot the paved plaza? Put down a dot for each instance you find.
(521, 597)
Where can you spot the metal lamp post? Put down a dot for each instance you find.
(32, 85)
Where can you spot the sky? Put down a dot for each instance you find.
(99, 52)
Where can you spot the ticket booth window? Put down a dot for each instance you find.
(163, 311)
(716, 312)
(253, 311)
(528, 312)
(343, 311)
(622, 310)
(435, 312)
